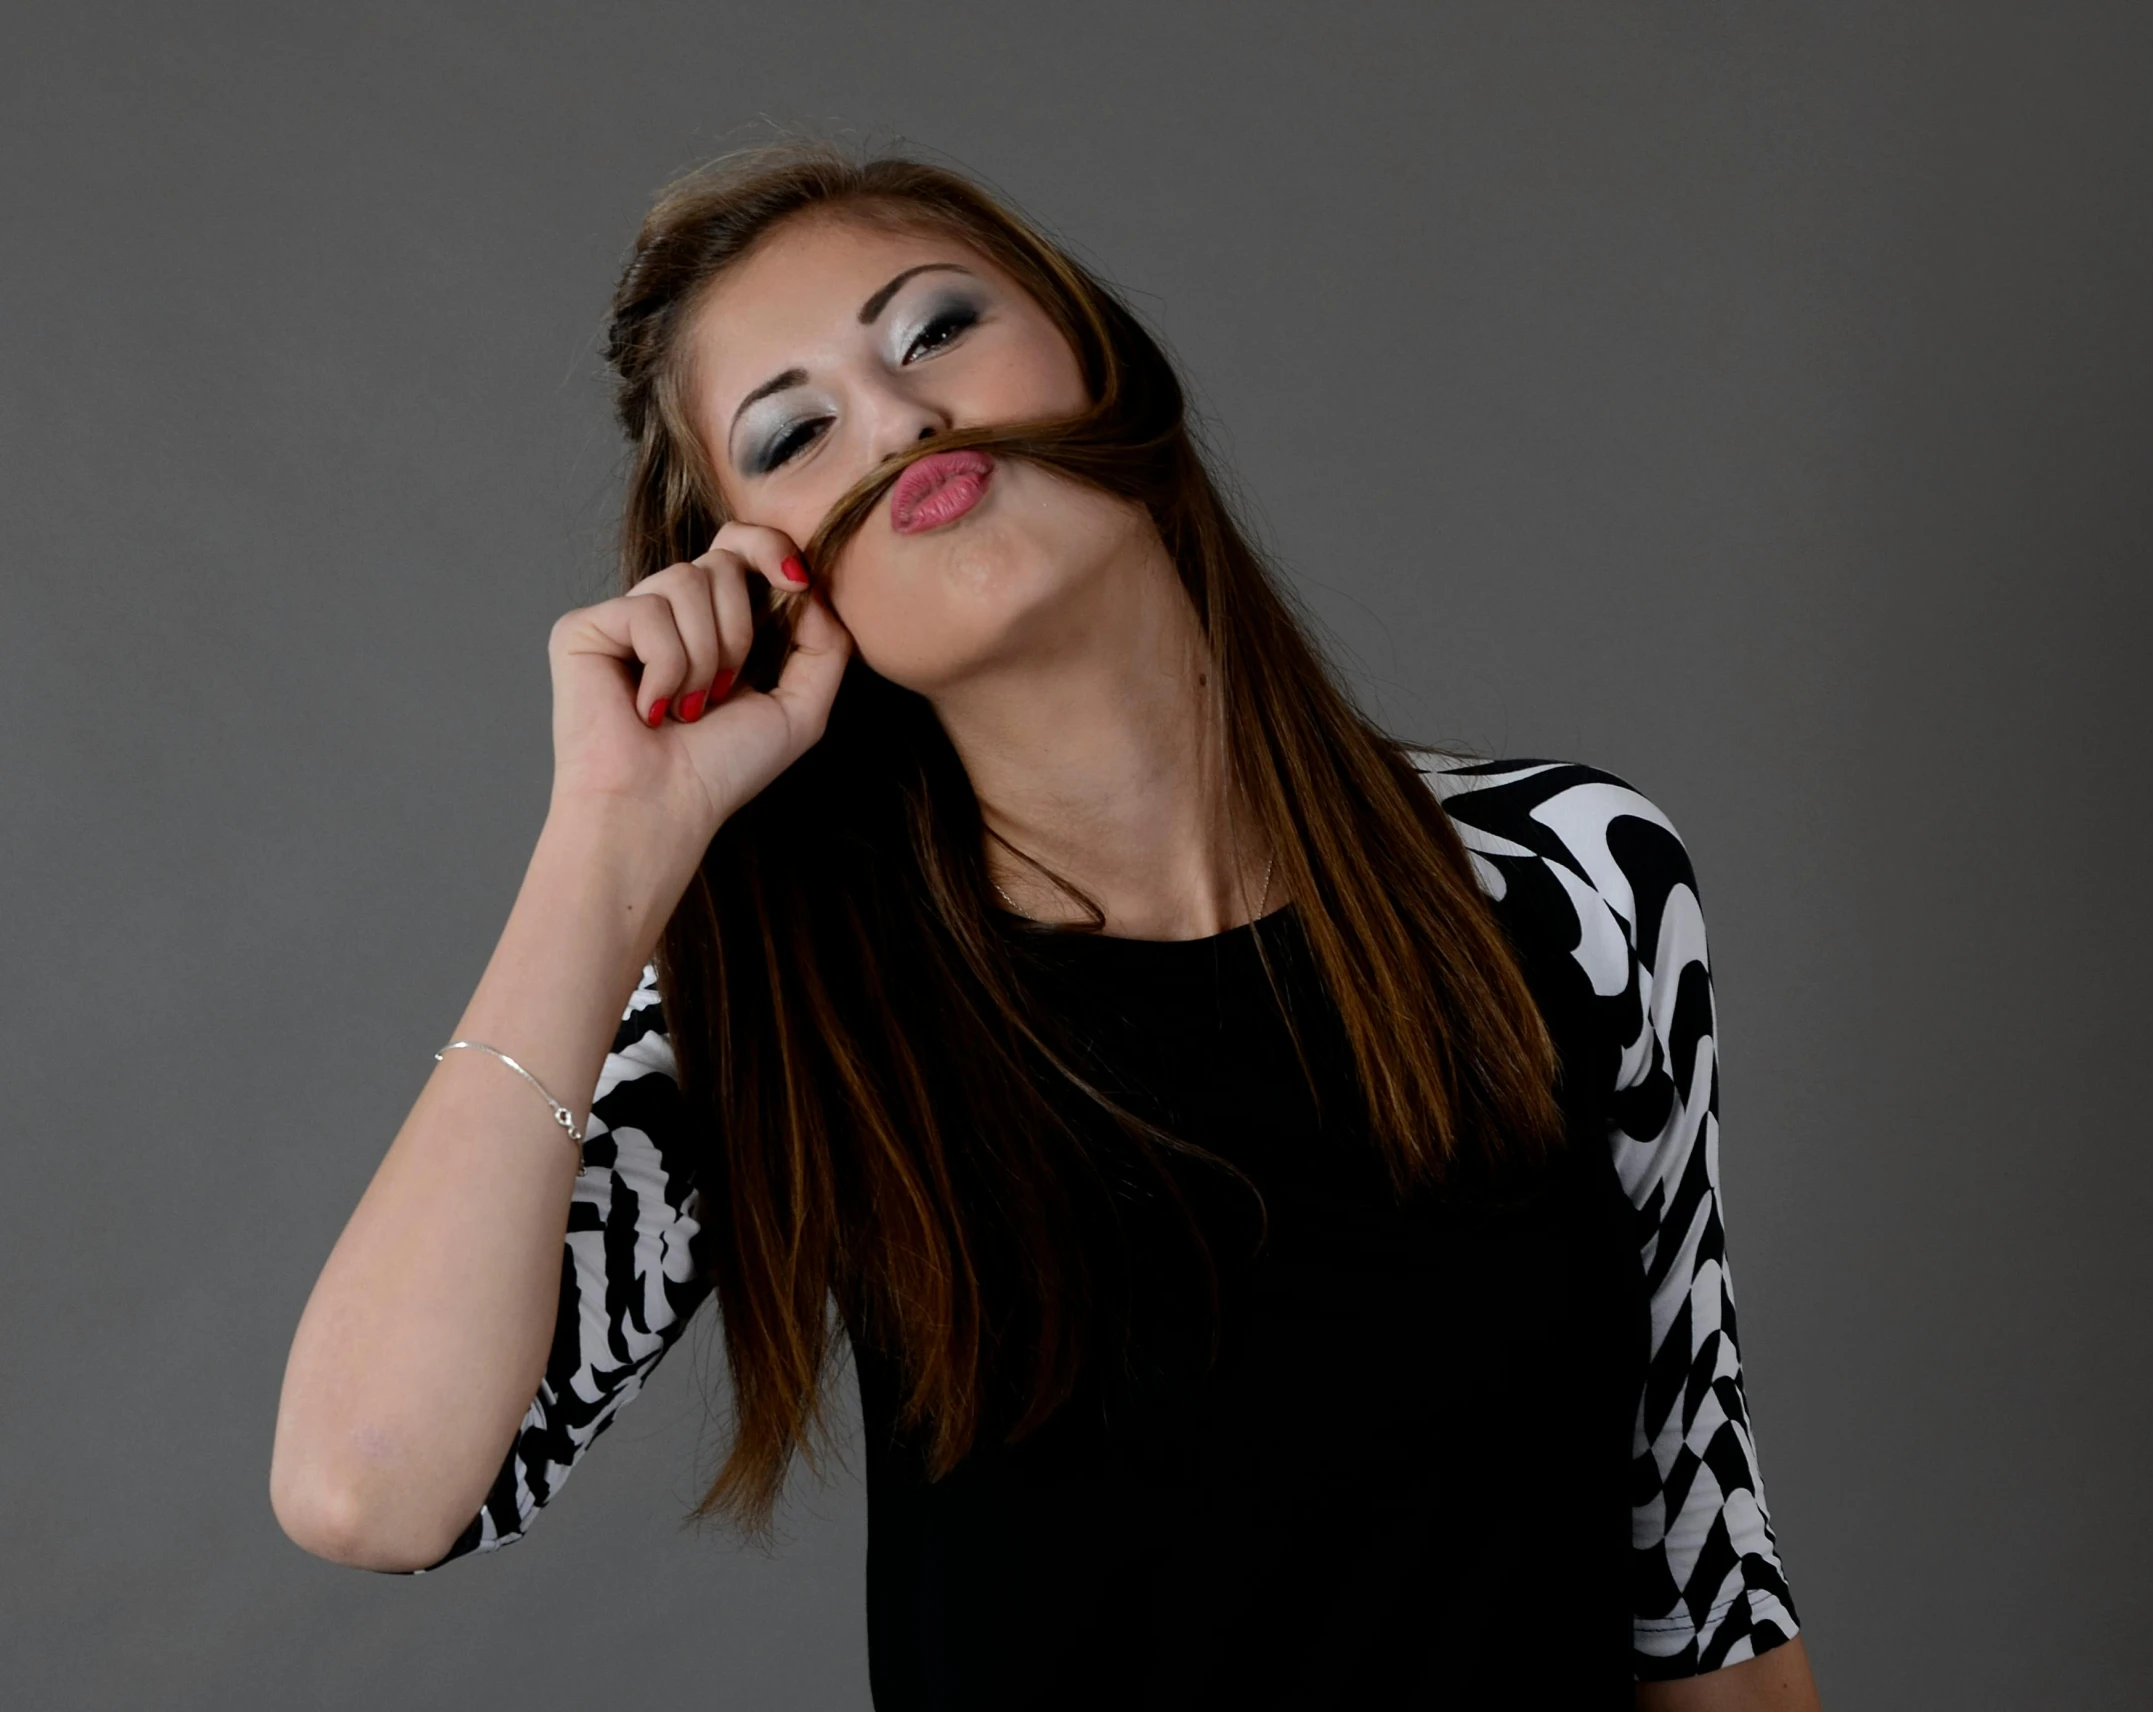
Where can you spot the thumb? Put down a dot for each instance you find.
(814, 667)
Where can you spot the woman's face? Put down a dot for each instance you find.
(838, 343)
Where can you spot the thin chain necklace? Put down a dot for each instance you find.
(1263, 897)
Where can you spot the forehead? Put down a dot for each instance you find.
(796, 296)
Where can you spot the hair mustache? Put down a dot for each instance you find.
(1125, 443)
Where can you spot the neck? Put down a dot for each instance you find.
(1097, 752)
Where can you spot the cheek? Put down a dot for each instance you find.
(1030, 374)
(796, 512)
(1046, 379)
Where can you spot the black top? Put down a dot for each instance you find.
(1476, 1450)
(1412, 1408)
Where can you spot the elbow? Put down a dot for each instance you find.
(343, 1524)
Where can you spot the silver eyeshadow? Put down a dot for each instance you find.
(783, 424)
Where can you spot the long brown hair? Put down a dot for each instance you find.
(891, 1128)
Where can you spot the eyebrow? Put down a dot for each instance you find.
(869, 312)
(875, 305)
(776, 383)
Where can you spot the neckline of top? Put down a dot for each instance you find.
(1156, 952)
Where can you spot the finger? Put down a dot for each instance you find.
(613, 630)
(685, 588)
(736, 619)
(654, 637)
(807, 683)
(770, 551)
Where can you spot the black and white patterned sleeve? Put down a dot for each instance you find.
(629, 1273)
(1708, 1586)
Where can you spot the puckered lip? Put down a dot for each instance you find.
(938, 489)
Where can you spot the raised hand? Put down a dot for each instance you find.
(650, 720)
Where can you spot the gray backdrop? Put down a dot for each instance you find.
(1755, 401)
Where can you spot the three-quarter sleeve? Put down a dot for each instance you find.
(629, 1274)
(1708, 1587)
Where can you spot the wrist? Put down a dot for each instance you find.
(645, 846)
(617, 872)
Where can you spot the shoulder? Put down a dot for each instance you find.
(1590, 824)
(1591, 881)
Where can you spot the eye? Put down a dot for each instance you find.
(790, 443)
(945, 325)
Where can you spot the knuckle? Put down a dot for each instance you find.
(718, 567)
(656, 638)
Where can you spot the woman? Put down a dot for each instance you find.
(1262, 1175)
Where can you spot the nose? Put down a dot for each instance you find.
(903, 419)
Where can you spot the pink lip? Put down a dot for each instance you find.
(938, 490)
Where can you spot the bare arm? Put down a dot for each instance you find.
(426, 1334)
(1777, 1681)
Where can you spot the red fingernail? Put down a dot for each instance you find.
(656, 716)
(718, 689)
(691, 706)
(794, 571)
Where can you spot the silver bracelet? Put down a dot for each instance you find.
(561, 1114)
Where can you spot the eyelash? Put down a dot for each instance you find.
(948, 323)
(956, 319)
(795, 439)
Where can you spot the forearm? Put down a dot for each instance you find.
(427, 1332)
